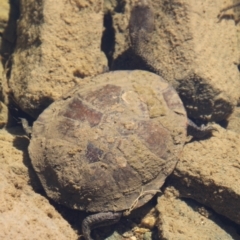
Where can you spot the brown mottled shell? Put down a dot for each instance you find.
(119, 135)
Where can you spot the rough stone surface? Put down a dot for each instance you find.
(24, 214)
(233, 122)
(187, 220)
(121, 56)
(195, 51)
(231, 11)
(58, 44)
(199, 66)
(3, 115)
(209, 173)
(191, 48)
(4, 11)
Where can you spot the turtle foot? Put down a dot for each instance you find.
(199, 132)
(27, 129)
(99, 220)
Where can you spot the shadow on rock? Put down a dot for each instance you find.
(21, 142)
(128, 60)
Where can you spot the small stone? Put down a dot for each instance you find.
(133, 238)
(147, 236)
(149, 220)
(140, 230)
(115, 236)
(127, 234)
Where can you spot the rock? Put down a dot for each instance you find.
(24, 213)
(58, 44)
(121, 54)
(192, 49)
(110, 5)
(3, 115)
(182, 220)
(233, 122)
(209, 172)
(231, 11)
(4, 11)
(114, 236)
(122, 233)
(147, 236)
(149, 221)
(195, 51)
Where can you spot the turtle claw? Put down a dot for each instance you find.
(225, 15)
(199, 132)
(27, 129)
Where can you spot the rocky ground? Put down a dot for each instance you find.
(56, 46)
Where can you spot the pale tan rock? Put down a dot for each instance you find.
(209, 171)
(3, 114)
(179, 219)
(110, 5)
(195, 51)
(25, 214)
(149, 221)
(4, 11)
(232, 12)
(116, 41)
(1, 80)
(58, 44)
(123, 56)
(233, 122)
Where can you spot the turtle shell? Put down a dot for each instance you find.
(109, 141)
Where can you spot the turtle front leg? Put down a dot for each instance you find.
(27, 129)
(99, 220)
(199, 132)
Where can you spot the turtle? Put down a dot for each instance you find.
(108, 146)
